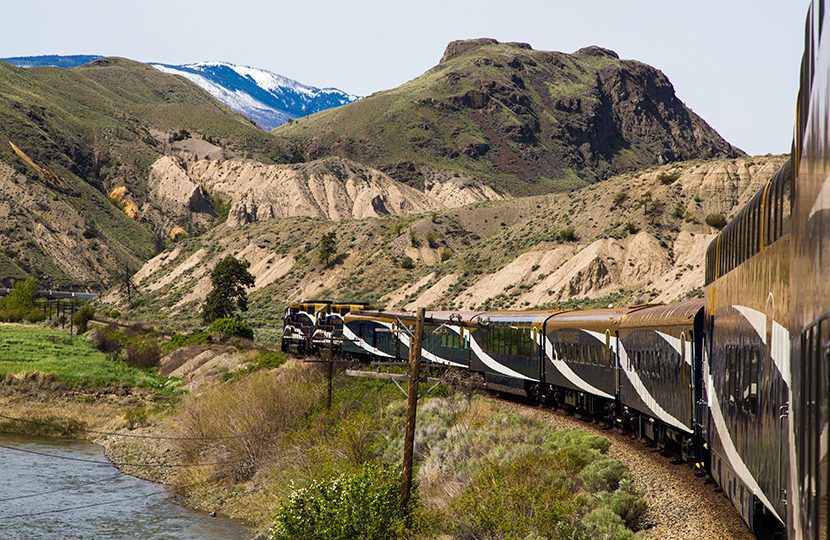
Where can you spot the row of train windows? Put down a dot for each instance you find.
(655, 365)
(451, 340)
(581, 353)
(741, 383)
(761, 222)
(509, 341)
(813, 418)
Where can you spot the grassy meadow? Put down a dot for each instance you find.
(72, 360)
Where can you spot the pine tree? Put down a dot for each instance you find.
(230, 280)
(328, 248)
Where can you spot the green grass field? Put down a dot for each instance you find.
(72, 360)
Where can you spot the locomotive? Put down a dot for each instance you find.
(737, 382)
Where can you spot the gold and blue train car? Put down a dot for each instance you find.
(580, 361)
(504, 346)
(328, 329)
(809, 321)
(298, 325)
(446, 338)
(379, 334)
(661, 386)
(747, 357)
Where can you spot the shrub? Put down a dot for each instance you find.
(604, 474)
(225, 328)
(567, 234)
(136, 417)
(82, 317)
(717, 221)
(264, 404)
(603, 523)
(407, 263)
(109, 339)
(631, 228)
(269, 360)
(183, 340)
(625, 502)
(432, 239)
(620, 198)
(114, 314)
(446, 254)
(413, 240)
(362, 505)
(143, 351)
(35, 315)
(501, 503)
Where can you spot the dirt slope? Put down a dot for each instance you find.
(636, 237)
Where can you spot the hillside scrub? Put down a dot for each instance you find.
(309, 468)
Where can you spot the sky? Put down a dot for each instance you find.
(734, 62)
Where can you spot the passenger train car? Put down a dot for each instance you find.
(738, 382)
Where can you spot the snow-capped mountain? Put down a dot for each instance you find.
(267, 98)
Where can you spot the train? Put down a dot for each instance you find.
(736, 382)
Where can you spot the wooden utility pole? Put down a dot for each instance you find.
(411, 409)
(331, 367)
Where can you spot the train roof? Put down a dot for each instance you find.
(379, 315)
(536, 316)
(679, 314)
(598, 320)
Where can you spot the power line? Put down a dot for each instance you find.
(117, 463)
(138, 436)
(92, 505)
(67, 488)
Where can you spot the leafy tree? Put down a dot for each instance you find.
(230, 279)
(22, 296)
(328, 248)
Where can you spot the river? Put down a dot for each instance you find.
(40, 497)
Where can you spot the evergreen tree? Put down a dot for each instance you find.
(328, 248)
(230, 279)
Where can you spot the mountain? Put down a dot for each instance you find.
(525, 121)
(51, 60)
(71, 137)
(267, 98)
(634, 238)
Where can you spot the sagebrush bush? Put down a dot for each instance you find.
(531, 496)
(625, 502)
(143, 351)
(82, 316)
(604, 474)
(109, 339)
(183, 340)
(364, 505)
(263, 404)
(225, 328)
(603, 523)
(717, 221)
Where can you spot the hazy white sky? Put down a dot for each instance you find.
(734, 62)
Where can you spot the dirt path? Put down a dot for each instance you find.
(680, 505)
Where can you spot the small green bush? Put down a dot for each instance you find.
(136, 417)
(35, 315)
(625, 502)
(717, 221)
(446, 254)
(407, 263)
(184, 340)
(567, 234)
(631, 228)
(82, 317)
(432, 239)
(225, 328)
(143, 351)
(269, 360)
(413, 239)
(603, 523)
(109, 339)
(604, 474)
(363, 505)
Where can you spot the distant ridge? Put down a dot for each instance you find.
(268, 99)
(52, 60)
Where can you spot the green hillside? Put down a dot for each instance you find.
(80, 132)
(526, 121)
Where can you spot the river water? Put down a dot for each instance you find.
(40, 497)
